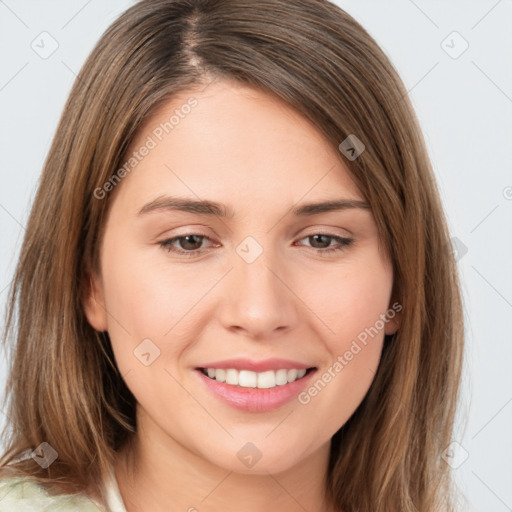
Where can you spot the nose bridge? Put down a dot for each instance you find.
(258, 300)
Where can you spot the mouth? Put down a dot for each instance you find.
(255, 392)
(256, 380)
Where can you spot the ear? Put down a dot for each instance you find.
(393, 324)
(94, 302)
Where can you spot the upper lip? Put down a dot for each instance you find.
(257, 366)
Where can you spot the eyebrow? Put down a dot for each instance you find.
(206, 207)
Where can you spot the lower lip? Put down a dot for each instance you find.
(255, 399)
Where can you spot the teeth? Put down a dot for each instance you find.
(266, 379)
(232, 377)
(282, 377)
(248, 379)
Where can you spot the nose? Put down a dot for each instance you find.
(258, 298)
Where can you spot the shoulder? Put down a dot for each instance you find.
(21, 494)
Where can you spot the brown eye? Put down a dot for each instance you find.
(187, 245)
(322, 241)
(191, 242)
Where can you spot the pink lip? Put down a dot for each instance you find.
(256, 366)
(255, 399)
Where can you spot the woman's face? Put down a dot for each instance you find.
(181, 288)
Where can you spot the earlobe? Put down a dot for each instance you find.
(394, 320)
(393, 323)
(94, 304)
(391, 326)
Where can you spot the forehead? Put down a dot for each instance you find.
(237, 144)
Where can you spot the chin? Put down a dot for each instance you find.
(249, 460)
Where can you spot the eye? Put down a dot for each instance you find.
(325, 239)
(191, 243)
(189, 246)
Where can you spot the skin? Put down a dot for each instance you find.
(250, 151)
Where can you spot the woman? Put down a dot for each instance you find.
(236, 288)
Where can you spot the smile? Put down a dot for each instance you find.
(261, 380)
(251, 391)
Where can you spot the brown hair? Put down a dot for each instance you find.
(64, 386)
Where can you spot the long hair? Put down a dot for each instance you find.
(64, 387)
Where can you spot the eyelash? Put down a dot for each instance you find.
(167, 244)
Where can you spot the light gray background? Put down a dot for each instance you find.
(464, 105)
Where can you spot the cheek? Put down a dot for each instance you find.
(352, 311)
(353, 336)
(351, 301)
(147, 298)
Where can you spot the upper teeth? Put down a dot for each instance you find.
(248, 379)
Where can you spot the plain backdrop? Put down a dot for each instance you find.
(454, 58)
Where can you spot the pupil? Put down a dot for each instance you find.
(319, 236)
(187, 242)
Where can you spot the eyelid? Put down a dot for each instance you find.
(342, 241)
